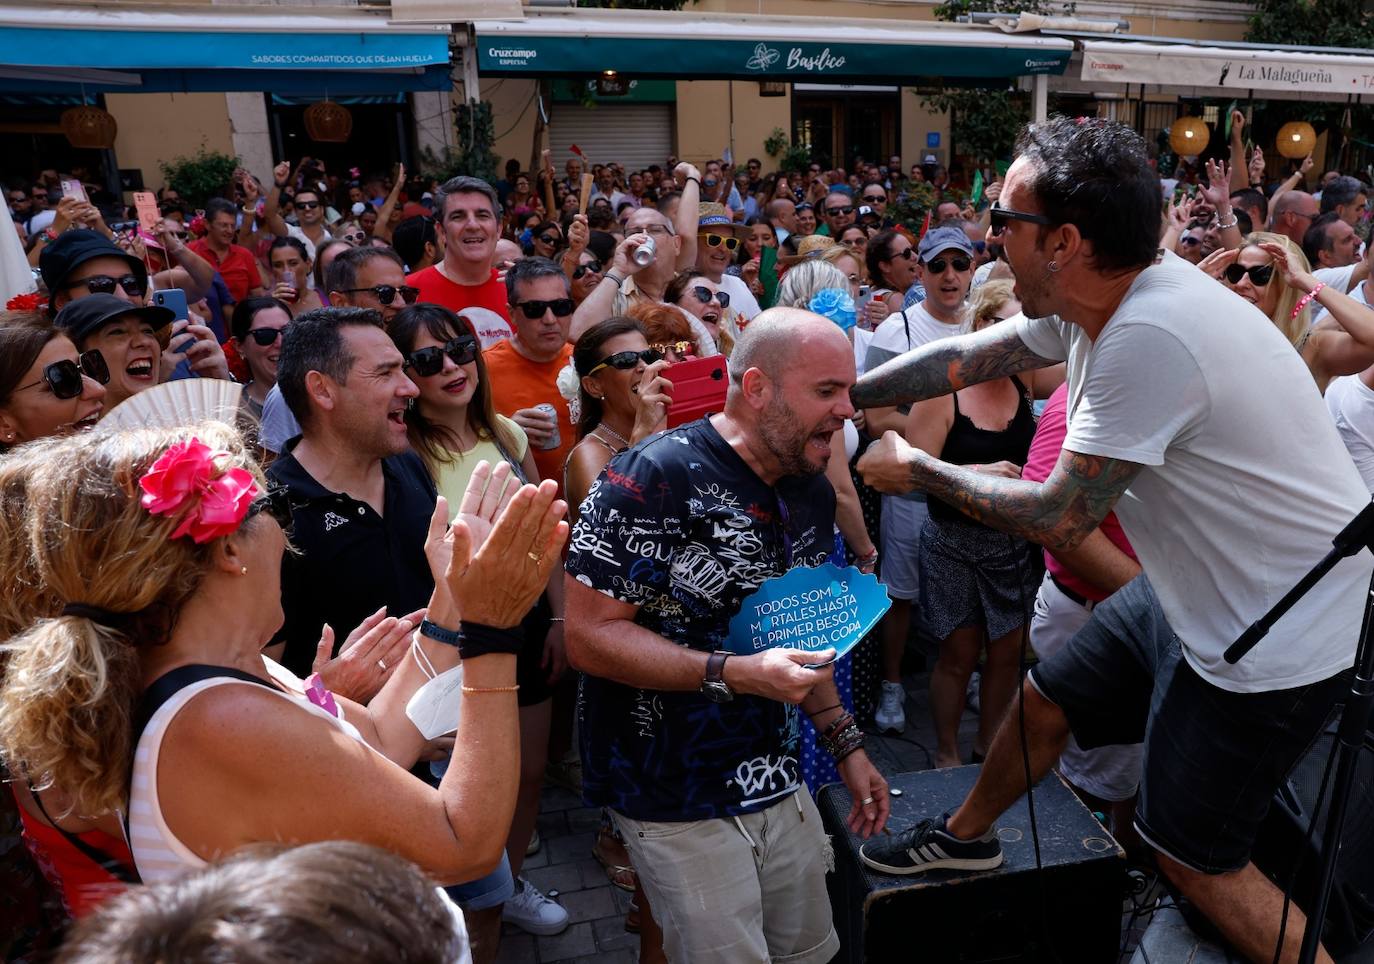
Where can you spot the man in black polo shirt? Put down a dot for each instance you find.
(361, 500)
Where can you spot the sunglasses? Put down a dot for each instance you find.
(875, 197)
(999, 216)
(430, 361)
(908, 253)
(358, 238)
(939, 265)
(263, 337)
(1189, 240)
(534, 310)
(386, 294)
(276, 502)
(103, 284)
(716, 240)
(549, 239)
(1260, 274)
(582, 270)
(844, 209)
(704, 295)
(674, 348)
(65, 377)
(308, 205)
(623, 361)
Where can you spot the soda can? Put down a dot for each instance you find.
(644, 254)
(552, 413)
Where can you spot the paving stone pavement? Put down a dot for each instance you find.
(565, 865)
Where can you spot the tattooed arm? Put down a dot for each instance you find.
(945, 366)
(1059, 513)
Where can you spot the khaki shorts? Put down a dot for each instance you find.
(738, 890)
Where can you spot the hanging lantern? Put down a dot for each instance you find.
(328, 122)
(1189, 136)
(1296, 139)
(88, 126)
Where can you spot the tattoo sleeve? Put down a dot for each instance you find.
(946, 365)
(1058, 513)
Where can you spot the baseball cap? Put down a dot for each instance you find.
(73, 249)
(85, 316)
(943, 239)
(867, 212)
(930, 159)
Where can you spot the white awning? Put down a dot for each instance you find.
(1236, 68)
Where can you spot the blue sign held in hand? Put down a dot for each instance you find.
(811, 609)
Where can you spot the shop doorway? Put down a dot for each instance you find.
(382, 133)
(841, 123)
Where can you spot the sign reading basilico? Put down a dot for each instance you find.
(1186, 66)
(705, 58)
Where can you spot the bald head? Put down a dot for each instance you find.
(780, 338)
(1299, 201)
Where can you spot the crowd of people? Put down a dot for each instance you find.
(437, 383)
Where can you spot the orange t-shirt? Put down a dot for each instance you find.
(516, 383)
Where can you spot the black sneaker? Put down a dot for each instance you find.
(929, 846)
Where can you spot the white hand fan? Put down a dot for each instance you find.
(185, 401)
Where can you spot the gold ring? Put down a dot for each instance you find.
(535, 557)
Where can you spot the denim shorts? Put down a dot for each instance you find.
(1213, 759)
(495, 888)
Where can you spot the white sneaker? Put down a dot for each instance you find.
(890, 714)
(532, 912)
(973, 693)
(535, 843)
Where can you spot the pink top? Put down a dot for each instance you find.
(1040, 461)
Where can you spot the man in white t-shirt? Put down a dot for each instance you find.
(939, 316)
(1211, 443)
(718, 242)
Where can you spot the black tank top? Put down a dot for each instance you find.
(967, 444)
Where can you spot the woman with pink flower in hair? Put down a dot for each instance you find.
(138, 684)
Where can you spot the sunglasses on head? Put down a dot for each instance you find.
(675, 348)
(276, 502)
(534, 310)
(623, 361)
(386, 294)
(358, 238)
(1260, 274)
(582, 270)
(716, 240)
(704, 295)
(65, 377)
(939, 265)
(103, 284)
(266, 336)
(843, 209)
(430, 361)
(1000, 216)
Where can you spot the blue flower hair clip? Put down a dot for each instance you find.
(837, 305)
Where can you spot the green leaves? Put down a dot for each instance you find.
(197, 179)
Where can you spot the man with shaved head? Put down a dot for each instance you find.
(692, 749)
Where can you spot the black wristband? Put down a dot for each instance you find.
(689, 180)
(449, 637)
(478, 640)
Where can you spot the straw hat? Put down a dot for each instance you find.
(714, 218)
(808, 249)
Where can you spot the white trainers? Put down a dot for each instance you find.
(535, 843)
(890, 714)
(532, 912)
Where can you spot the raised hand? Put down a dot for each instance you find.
(652, 402)
(1216, 263)
(368, 657)
(1217, 191)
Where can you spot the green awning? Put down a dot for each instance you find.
(690, 46)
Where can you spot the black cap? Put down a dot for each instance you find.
(85, 316)
(76, 247)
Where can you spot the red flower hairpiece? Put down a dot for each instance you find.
(186, 476)
(30, 301)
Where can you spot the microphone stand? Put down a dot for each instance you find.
(1359, 534)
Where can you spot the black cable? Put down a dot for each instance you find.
(1306, 843)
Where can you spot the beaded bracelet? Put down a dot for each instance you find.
(1305, 299)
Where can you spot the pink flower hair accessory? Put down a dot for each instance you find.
(186, 476)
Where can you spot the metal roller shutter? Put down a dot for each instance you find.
(636, 135)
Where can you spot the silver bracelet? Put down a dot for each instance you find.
(1229, 224)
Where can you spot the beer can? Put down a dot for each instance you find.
(552, 413)
(644, 254)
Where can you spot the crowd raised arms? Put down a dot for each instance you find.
(325, 500)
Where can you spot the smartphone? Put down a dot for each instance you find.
(865, 296)
(175, 300)
(145, 204)
(699, 386)
(71, 187)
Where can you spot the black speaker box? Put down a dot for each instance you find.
(1069, 912)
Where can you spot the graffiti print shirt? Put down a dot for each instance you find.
(681, 527)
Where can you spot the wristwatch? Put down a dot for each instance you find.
(713, 686)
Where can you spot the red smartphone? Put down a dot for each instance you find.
(698, 389)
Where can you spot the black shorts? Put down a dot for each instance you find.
(1212, 758)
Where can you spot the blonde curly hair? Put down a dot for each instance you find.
(71, 684)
